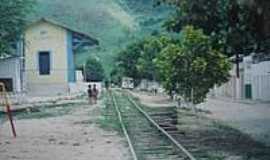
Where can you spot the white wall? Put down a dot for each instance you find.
(256, 75)
(79, 76)
(229, 89)
(82, 87)
(10, 68)
(260, 81)
(150, 86)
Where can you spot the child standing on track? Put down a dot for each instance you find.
(95, 94)
(90, 94)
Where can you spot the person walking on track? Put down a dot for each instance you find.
(90, 94)
(95, 94)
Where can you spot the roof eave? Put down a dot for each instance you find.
(43, 19)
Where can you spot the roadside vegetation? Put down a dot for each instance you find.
(192, 66)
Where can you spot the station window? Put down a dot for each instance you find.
(44, 63)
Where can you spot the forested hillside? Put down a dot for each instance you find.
(113, 22)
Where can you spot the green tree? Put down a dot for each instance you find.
(94, 70)
(229, 23)
(192, 66)
(116, 76)
(127, 60)
(152, 46)
(259, 22)
(137, 59)
(13, 14)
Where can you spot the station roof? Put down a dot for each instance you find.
(76, 32)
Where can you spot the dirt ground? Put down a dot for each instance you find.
(73, 136)
(151, 100)
(252, 118)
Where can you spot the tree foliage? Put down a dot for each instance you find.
(152, 46)
(94, 70)
(127, 60)
(191, 67)
(116, 76)
(13, 14)
(232, 25)
(137, 59)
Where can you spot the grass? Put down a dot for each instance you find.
(46, 111)
(108, 119)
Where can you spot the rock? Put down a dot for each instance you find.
(235, 158)
(62, 143)
(51, 140)
(108, 142)
(14, 157)
(76, 144)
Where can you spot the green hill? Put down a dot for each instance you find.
(114, 22)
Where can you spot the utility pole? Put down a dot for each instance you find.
(234, 20)
(237, 61)
(238, 81)
(84, 72)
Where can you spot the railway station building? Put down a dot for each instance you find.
(45, 63)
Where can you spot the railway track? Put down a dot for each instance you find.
(146, 138)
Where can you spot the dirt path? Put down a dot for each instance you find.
(75, 136)
(251, 118)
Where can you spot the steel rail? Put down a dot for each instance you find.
(176, 143)
(131, 147)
